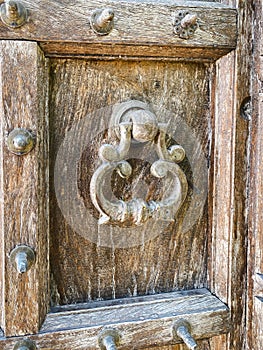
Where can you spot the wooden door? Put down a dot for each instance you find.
(158, 91)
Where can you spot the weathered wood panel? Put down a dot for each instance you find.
(137, 24)
(24, 209)
(154, 264)
(173, 259)
(140, 323)
(255, 218)
(228, 268)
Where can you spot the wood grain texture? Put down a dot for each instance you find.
(171, 259)
(83, 271)
(229, 241)
(255, 219)
(137, 23)
(24, 218)
(115, 52)
(141, 323)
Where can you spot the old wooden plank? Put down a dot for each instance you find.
(137, 23)
(144, 323)
(255, 215)
(222, 196)
(230, 229)
(24, 212)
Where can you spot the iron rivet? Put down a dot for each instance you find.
(20, 141)
(22, 258)
(109, 339)
(102, 21)
(13, 13)
(182, 330)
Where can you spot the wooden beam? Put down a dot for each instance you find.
(255, 214)
(137, 24)
(23, 187)
(228, 263)
(141, 322)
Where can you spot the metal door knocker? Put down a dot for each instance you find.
(133, 122)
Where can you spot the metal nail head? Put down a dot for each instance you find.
(102, 21)
(22, 258)
(20, 141)
(13, 13)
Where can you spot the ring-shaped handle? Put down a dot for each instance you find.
(139, 124)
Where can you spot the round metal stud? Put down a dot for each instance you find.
(20, 141)
(13, 14)
(22, 258)
(102, 21)
(26, 344)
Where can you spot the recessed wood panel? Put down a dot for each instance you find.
(173, 258)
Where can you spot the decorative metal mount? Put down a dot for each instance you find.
(133, 122)
(185, 24)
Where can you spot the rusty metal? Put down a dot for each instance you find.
(182, 330)
(185, 24)
(22, 258)
(20, 141)
(13, 13)
(102, 21)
